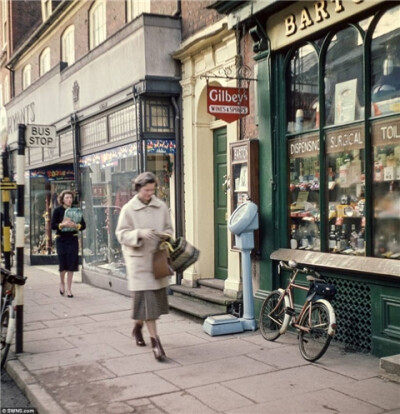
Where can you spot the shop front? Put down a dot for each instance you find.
(329, 130)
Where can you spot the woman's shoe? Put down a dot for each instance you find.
(61, 293)
(70, 295)
(137, 334)
(158, 350)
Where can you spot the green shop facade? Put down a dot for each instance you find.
(328, 93)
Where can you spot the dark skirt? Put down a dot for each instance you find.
(149, 304)
(68, 253)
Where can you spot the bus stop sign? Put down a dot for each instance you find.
(43, 136)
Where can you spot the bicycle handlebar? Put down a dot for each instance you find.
(11, 278)
(292, 266)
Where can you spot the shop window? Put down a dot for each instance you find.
(107, 185)
(45, 185)
(160, 160)
(158, 115)
(385, 65)
(346, 140)
(385, 97)
(302, 93)
(303, 150)
(344, 85)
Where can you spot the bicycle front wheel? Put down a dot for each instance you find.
(272, 316)
(5, 347)
(314, 341)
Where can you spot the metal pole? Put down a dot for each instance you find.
(6, 225)
(19, 244)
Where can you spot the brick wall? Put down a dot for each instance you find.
(195, 16)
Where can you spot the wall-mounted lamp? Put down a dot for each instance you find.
(259, 39)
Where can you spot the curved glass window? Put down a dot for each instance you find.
(385, 65)
(344, 84)
(385, 98)
(302, 94)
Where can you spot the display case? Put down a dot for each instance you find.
(244, 175)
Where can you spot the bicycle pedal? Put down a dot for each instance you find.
(290, 311)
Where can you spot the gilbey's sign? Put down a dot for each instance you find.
(228, 104)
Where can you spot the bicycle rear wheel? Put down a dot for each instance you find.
(5, 347)
(314, 343)
(272, 316)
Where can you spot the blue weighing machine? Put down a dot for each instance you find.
(242, 223)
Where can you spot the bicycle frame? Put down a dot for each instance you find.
(291, 318)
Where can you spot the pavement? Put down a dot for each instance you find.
(79, 357)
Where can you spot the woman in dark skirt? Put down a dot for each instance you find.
(140, 222)
(67, 242)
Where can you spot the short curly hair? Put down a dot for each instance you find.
(63, 193)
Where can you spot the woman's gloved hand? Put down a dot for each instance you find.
(148, 234)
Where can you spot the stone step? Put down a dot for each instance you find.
(212, 283)
(390, 367)
(194, 307)
(205, 293)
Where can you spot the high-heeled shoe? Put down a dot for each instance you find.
(137, 334)
(158, 350)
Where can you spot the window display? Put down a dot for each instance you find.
(346, 194)
(386, 188)
(349, 136)
(45, 185)
(107, 185)
(304, 176)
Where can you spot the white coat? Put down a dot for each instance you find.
(137, 252)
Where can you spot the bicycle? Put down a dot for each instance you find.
(316, 321)
(7, 327)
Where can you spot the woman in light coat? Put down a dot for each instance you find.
(139, 223)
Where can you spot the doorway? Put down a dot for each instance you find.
(220, 205)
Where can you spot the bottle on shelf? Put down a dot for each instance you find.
(294, 244)
(332, 239)
(304, 239)
(343, 238)
(353, 237)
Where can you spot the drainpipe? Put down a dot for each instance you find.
(76, 150)
(179, 201)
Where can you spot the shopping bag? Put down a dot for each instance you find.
(161, 262)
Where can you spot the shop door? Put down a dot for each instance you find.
(220, 205)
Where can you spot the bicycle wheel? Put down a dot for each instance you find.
(271, 316)
(5, 347)
(314, 343)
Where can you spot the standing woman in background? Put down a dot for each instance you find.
(139, 223)
(67, 242)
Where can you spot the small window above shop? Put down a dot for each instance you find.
(158, 115)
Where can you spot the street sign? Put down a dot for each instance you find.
(8, 185)
(42, 136)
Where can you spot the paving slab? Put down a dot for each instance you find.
(79, 357)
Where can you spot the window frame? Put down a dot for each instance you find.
(45, 61)
(97, 24)
(68, 45)
(26, 76)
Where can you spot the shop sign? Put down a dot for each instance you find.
(42, 136)
(160, 146)
(239, 153)
(305, 146)
(345, 139)
(228, 104)
(386, 132)
(53, 173)
(308, 17)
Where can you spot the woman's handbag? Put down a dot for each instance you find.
(181, 253)
(161, 262)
